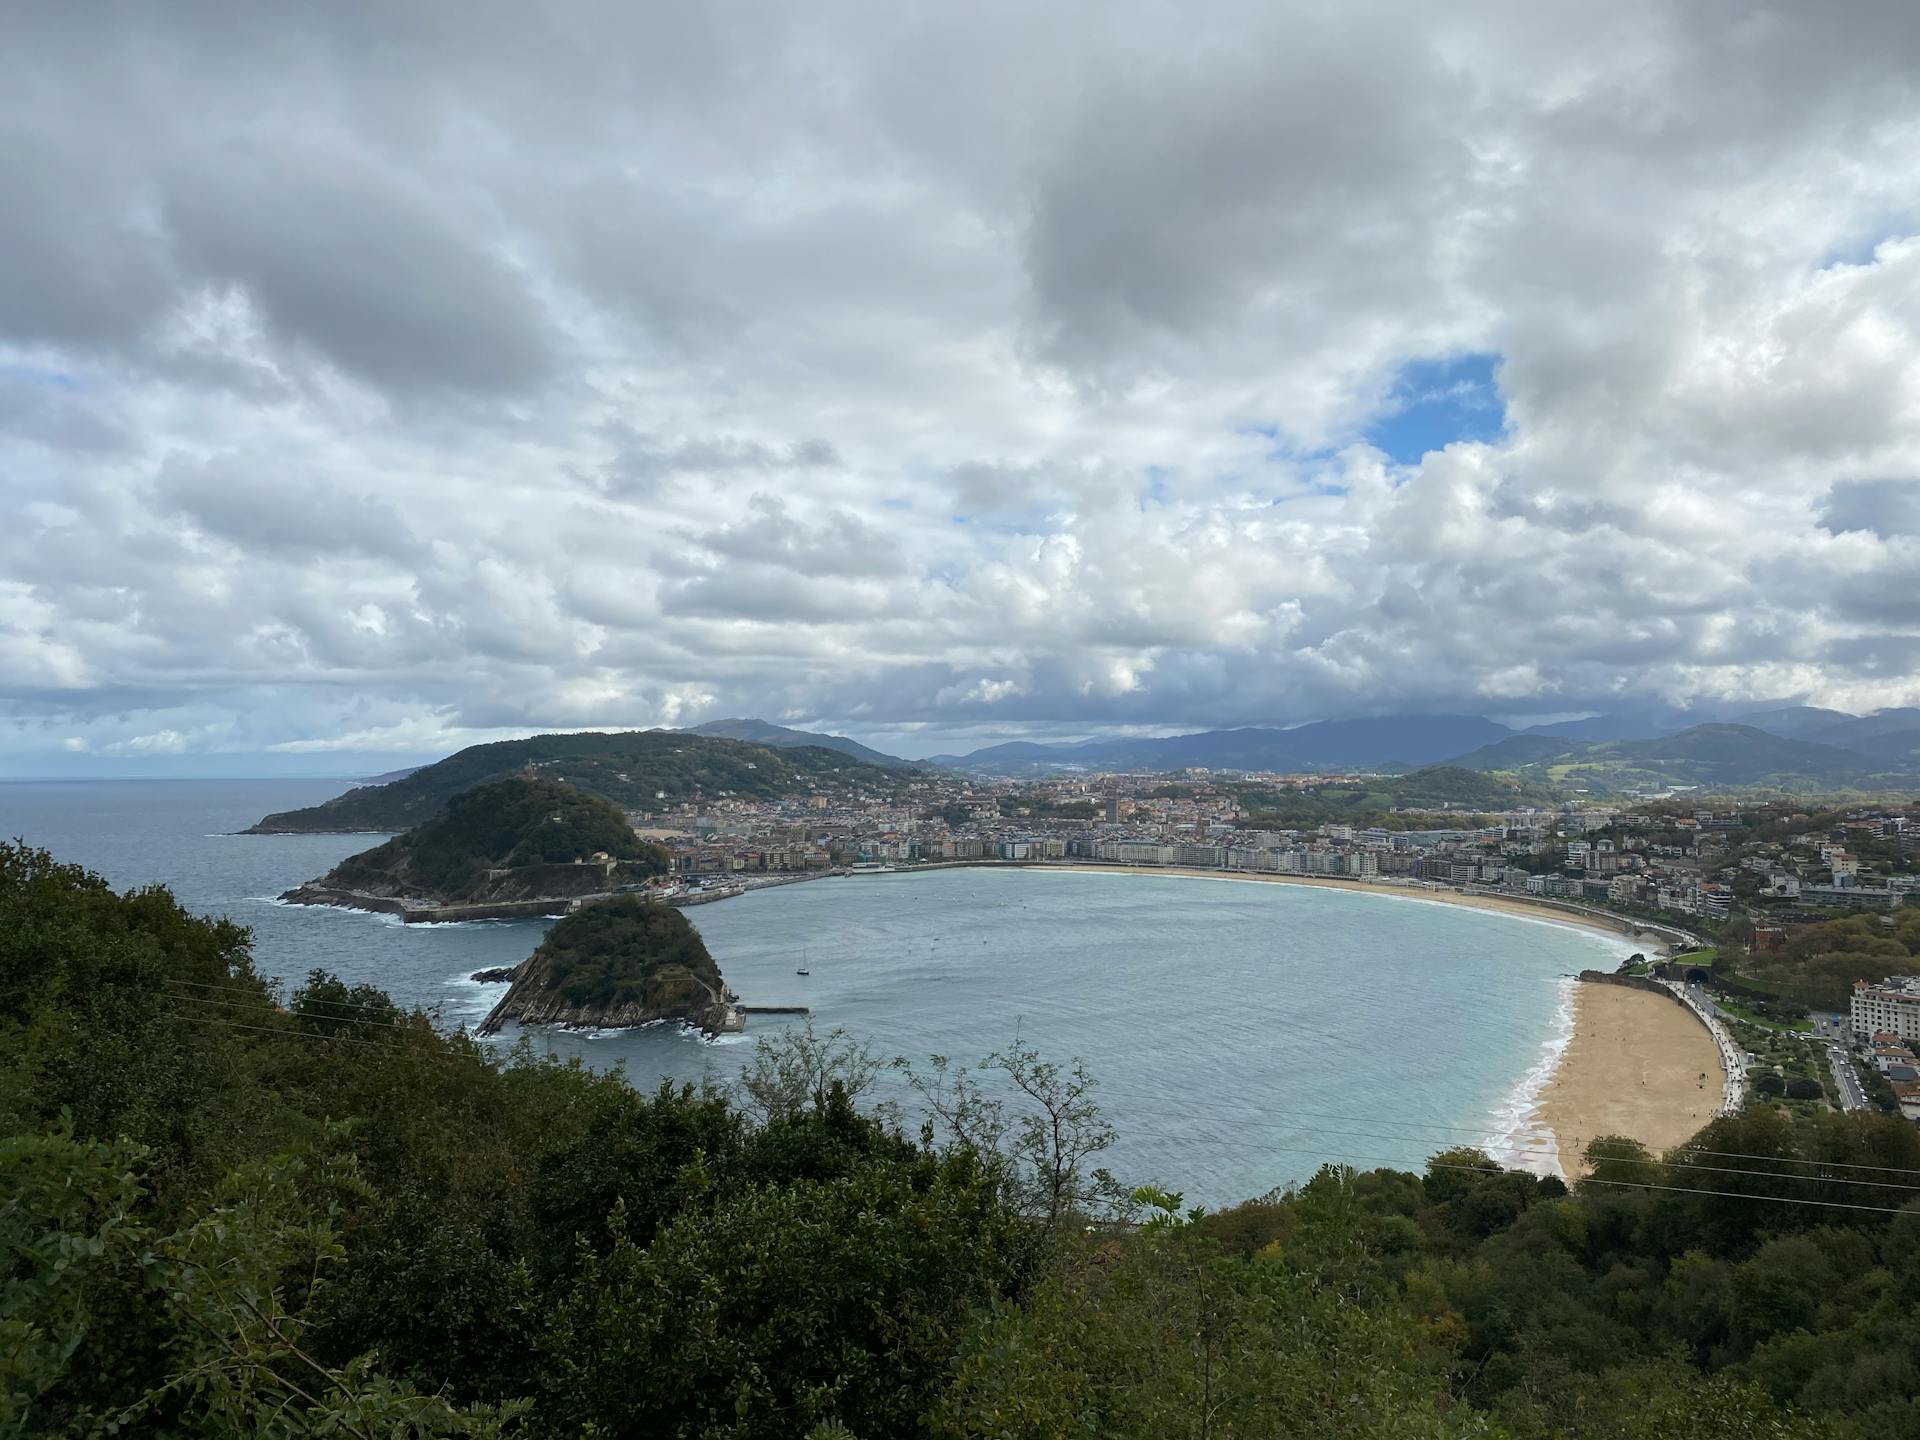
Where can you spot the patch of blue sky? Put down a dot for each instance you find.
(1436, 403)
(39, 375)
(1861, 248)
(1852, 252)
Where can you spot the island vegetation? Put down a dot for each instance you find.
(235, 1211)
(635, 769)
(516, 840)
(620, 962)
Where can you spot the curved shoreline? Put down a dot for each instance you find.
(1517, 907)
(1637, 1064)
(1518, 1134)
(1520, 1140)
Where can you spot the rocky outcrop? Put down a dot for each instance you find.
(528, 1004)
(495, 975)
(619, 964)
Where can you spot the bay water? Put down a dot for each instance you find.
(1241, 1032)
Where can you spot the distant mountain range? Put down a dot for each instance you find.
(1401, 740)
(1798, 745)
(1792, 747)
(760, 732)
(1722, 755)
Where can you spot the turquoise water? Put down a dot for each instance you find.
(1242, 1032)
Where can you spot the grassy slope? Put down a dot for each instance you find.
(1711, 755)
(1437, 789)
(517, 822)
(635, 768)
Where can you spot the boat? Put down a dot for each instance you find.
(803, 971)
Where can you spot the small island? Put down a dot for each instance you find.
(619, 963)
(517, 847)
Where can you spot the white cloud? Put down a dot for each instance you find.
(988, 366)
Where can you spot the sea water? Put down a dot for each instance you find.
(1241, 1033)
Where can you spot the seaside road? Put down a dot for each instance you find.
(1852, 1096)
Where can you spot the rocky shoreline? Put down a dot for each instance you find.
(722, 1017)
(417, 910)
(414, 910)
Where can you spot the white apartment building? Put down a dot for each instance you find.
(1891, 1007)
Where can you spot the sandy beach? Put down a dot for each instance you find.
(1634, 1067)
(1439, 895)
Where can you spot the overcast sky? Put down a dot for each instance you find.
(376, 379)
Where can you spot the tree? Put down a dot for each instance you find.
(1039, 1133)
(327, 1005)
(782, 1308)
(798, 1069)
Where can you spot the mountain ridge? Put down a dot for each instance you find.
(635, 769)
(1710, 754)
(779, 737)
(1357, 743)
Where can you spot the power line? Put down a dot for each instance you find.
(1642, 1185)
(258, 1009)
(389, 1008)
(1630, 1160)
(290, 1032)
(1743, 1195)
(1540, 1151)
(1716, 1154)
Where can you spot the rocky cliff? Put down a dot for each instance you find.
(620, 963)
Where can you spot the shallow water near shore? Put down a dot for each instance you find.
(1241, 1033)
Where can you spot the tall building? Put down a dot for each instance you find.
(1113, 807)
(1891, 1007)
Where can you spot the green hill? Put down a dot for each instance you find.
(622, 962)
(1517, 751)
(1444, 787)
(1722, 756)
(512, 840)
(1436, 789)
(635, 769)
(779, 737)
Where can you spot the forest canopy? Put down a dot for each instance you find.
(232, 1211)
(519, 822)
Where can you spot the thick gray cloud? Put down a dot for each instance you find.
(1885, 508)
(264, 505)
(376, 380)
(359, 269)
